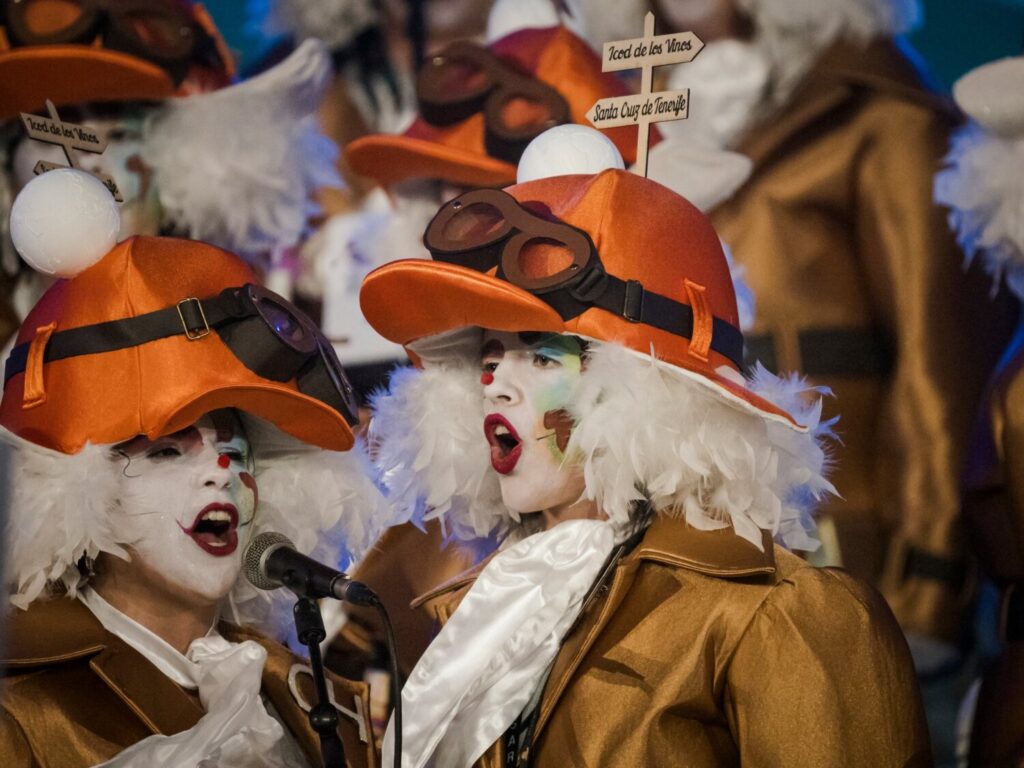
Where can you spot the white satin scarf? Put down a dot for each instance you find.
(236, 731)
(485, 664)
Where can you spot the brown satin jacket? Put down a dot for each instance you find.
(699, 650)
(861, 287)
(74, 695)
(994, 513)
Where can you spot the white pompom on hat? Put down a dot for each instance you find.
(64, 221)
(565, 150)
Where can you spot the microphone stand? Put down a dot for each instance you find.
(323, 717)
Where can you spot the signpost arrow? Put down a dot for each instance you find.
(618, 111)
(69, 137)
(678, 48)
(642, 109)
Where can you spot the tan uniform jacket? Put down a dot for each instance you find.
(403, 563)
(994, 513)
(701, 651)
(75, 695)
(859, 284)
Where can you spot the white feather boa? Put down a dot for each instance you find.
(983, 185)
(643, 431)
(428, 442)
(239, 167)
(61, 509)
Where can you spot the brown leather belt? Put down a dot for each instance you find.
(827, 352)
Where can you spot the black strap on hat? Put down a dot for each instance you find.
(630, 300)
(191, 317)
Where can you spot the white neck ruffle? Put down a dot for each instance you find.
(236, 731)
(482, 669)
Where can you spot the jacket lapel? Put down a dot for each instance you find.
(163, 706)
(671, 542)
(609, 595)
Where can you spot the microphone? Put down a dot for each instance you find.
(271, 561)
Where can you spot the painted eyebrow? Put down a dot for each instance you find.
(492, 347)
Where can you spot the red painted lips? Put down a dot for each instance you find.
(215, 529)
(506, 446)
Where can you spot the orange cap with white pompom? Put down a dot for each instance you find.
(145, 338)
(609, 256)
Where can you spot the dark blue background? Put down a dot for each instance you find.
(956, 34)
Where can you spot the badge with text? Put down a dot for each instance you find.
(70, 137)
(642, 109)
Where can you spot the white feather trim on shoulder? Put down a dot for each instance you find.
(648, 433)
(336, 22)
(58, 510)
(239, 167)
(428, 440)
(983, 185)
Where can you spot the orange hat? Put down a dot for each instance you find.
(457, 153)
(641, 231)
(75, 53)
(153, 388)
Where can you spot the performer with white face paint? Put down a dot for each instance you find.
(159, 410)
(579, 396)
(527, 386)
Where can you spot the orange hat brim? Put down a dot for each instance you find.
(448, 297)
(75, 74)
(389, 159)
(301, 416)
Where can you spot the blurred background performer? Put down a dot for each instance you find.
(144, 462)
(859, 282)
(984, 188)
(194, 152)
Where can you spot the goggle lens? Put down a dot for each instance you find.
(456, 76)
(520, 113)
(49, 17)
(282, 322)
(473, 225)
(162, 33)
(541, 258)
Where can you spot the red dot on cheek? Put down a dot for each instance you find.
(223, 461)
(486, 378)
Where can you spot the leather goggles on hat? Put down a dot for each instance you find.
(270, 336)
(488, 230)
(464, 79)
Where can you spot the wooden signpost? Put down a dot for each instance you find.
(69, 137)
(642, 109)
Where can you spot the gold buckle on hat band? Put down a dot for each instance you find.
(193, 331)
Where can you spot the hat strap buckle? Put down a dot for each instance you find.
(195, 325)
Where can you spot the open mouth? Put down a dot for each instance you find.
(215, 529)
(506, 447)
